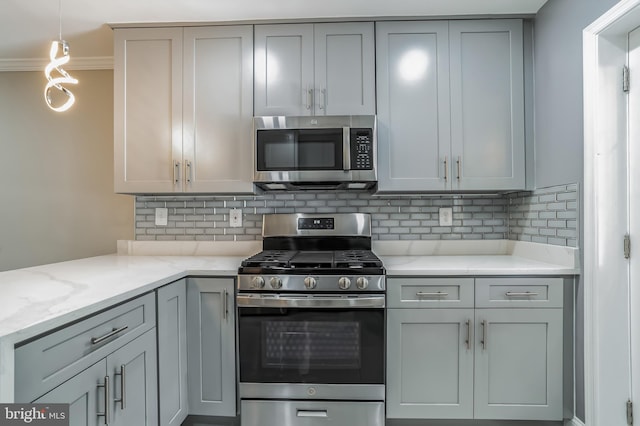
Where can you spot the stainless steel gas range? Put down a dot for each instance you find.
(311, 337)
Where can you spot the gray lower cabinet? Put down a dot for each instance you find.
(211, 346)
(172, 353)
(430, 363)
(502, 359)
(518, 364)
(119, 390)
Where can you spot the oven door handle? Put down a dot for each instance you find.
(244, 300)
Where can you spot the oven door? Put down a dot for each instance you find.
(290, 349)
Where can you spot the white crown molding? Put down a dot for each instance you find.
(38, 64)
(574, 422)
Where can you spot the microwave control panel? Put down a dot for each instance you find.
(361, 149)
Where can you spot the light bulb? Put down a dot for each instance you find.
(64, 78)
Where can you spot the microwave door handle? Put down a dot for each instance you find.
(346, 149)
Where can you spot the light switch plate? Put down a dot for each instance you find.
(235, 218)
(446, 216)
(162, 216)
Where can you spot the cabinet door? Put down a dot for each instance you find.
(211, 346)
(518, 368)
(148, 110)
(344, 69)
(487, 104)
(83, 394)
(134, 372)
(430, 363)
(172, 353)
(413, 106)
(218, 109)
(283, 57)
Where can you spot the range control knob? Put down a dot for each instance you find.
(310, 283)
(344, 283)
(362, 283)
(257, 282)
(275, 282)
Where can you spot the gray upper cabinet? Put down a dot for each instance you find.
(183, 108)
(413, 106)
(147, 81)
(211, 346)
(315, 69)
(450, 105)
(487, 104)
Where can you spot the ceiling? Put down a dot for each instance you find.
(28, 26)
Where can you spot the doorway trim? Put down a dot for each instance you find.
(603, 96)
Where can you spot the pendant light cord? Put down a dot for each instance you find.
(60, 19)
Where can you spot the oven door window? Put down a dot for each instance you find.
(311, 346)
(303, 149)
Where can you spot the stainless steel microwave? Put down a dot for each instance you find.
(315, 152)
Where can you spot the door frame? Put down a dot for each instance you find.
(604, 54)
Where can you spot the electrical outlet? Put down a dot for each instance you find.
(446, 216)
(162, 216)
(235, 218)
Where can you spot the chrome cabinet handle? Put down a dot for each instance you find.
(516, 294)
(123, 397)
(176, 172)
(323, 104)
(458, 165)
(107, 391)
(446, 169)
(425, 294)
(96, 340)
(309, 98)
(484, 341)
(187, 165)
(468, 340)
(225, 303)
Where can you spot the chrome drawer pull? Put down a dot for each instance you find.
(426, 294)
(96, 340)
(107, 391)
(515, 294)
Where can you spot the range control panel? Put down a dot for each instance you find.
(361, 149)
(316, 223)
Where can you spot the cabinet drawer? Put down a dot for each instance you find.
(46, 362)
(430, 292)
(519, 292)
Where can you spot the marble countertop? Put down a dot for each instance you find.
(37, 299)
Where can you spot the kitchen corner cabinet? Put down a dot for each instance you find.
(104, 365)
(172, 353)
(450, 105)
(183, 102)
(483, 348)
(211, 346)
(315, 69)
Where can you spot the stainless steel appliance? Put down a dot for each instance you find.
(324, 152)
(311, 340)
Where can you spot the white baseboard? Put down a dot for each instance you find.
(574, 422)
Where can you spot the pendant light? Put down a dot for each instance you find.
(59, 47)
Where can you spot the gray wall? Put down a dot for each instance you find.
(559, 116)
(56, 178)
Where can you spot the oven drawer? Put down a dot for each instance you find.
(519, 292)
(311, 413)
(430, 292)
